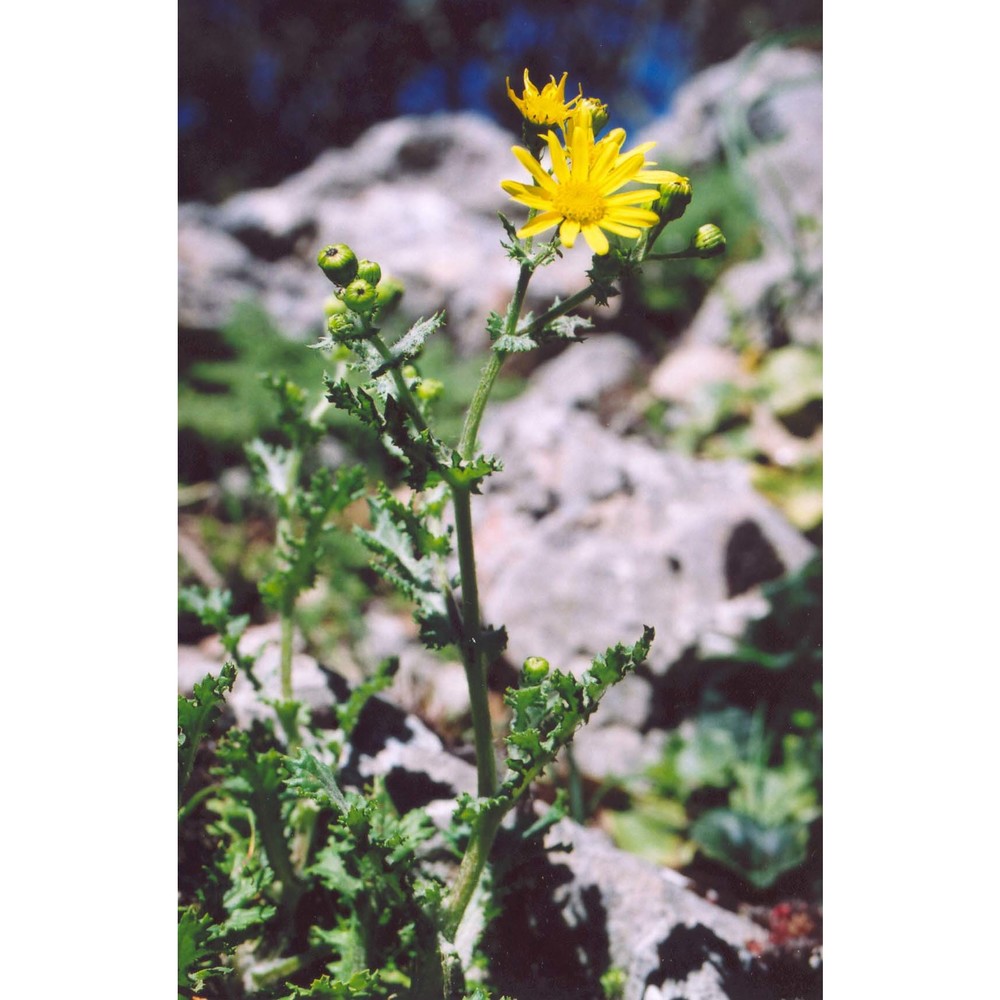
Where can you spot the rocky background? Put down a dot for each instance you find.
(596, 526)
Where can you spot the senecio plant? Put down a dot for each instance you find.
(318, 891)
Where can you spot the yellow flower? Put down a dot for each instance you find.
(546, 107)
(578, 195)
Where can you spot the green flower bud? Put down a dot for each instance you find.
(675, 196)
(389, 293)
(370, 271)
(709, 241)
(360, 296)
(339, 325)
(429, 388)
(338, 263)
(598, 112)
(535, 668)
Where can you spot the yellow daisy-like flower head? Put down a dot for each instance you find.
(579, 194)
(547, 106)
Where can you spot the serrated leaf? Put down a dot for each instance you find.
(192, 943)
(361, 985)
(566, 327)
(515, 343)
(311, 777)
(195, 716)
(356, 402)
(411, 343)
(471, 472)
(494, 325)
(408, 557)
(437, 631)
(492, 642)
(331, 870)
(272, 465)
(547, 714)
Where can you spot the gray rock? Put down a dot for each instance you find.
(612, 750)
(770, 101)
(586, 536)
(419, 195)
(594, 902)
(762, 112)
(427, 684)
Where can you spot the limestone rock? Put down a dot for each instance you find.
(418, 194)
(586, 535)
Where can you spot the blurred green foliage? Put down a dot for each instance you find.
(222, 400)
(740, 778)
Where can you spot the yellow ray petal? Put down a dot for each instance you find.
(632, 217)
(568, 232)
(533, 197)
(596, 240)
(637, 197)
(534, 168)
(622, 230)
(539, 224)
(558, 156)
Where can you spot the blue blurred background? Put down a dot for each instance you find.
(266, 85)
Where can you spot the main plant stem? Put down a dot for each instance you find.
(472, 654)
(485, 829)
(287, 610)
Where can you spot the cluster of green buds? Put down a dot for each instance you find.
(360, 290)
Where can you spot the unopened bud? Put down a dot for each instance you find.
(338, 263)
(360, 296)
(675, 196)
(389, 293)
(598, 112)
(535, 668)
(709, 241)
(370, 271)
(340, 326)
(429, 388)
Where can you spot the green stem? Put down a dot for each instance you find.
(472, 658)
(287, 612)
(467, 443)
(195, 801)
(402, 389)
(677, 255)
(269, 823)
(538, 324)
(476, 856)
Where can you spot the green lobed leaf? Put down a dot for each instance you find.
(192, 943)
(311, 777)
(546, 716)
(758, 852)
(408, 556)
(411, 343)
(360, 986)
